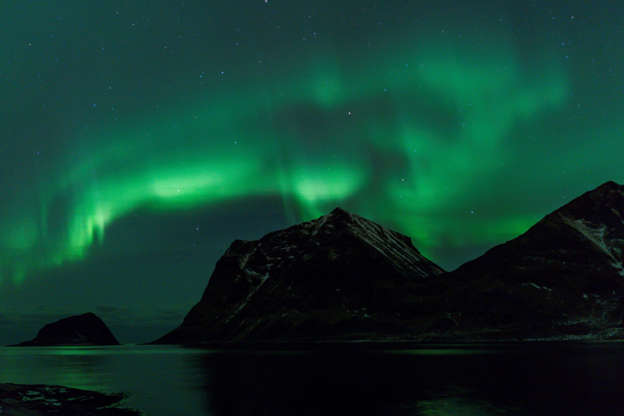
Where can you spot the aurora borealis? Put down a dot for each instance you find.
(139, 138)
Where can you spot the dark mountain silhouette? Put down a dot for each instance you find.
(337, 276)
(85, 329)
(343, 277)
(563, 277)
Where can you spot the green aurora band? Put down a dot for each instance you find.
(444, 112)
(459, 124)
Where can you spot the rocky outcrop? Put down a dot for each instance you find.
(339, 276)
(563, 278)
(40, 400)
(85, 329)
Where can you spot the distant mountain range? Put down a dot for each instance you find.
(343, 277)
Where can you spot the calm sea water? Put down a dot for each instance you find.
(503, 380)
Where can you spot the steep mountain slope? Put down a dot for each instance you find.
(340, 275)
(563, 277)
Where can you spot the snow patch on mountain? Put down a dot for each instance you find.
(318, 224)
(536, 286)
(388, 243)
(244, 303)
(595, 234)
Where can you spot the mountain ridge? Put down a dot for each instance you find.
(342, 277)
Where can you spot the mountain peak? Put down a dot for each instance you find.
(565, 275)
(340, 214)
(609, 188)
(578, 248)
(602, 205)
(611, 185)
(339, 211)
(337, 271)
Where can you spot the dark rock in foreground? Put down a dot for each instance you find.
(339, 276)
(85, 329)
(41, 400)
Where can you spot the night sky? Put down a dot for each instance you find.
(138, 139)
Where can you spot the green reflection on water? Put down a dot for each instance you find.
(454, 406)
(443, 351)
(82, 350)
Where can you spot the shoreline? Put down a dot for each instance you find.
(382, 345)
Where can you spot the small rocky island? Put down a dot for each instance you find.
(342, 277)
(85, 329)
(42, 400)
